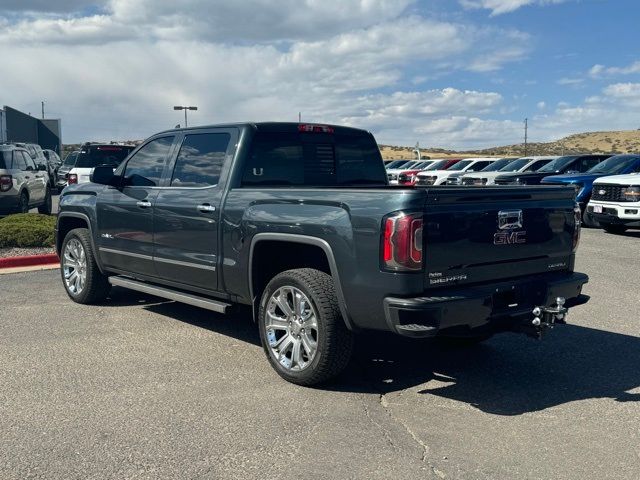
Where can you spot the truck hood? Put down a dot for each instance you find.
(629, 179)
(573, 178)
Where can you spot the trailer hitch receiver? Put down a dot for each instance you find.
(544, 318)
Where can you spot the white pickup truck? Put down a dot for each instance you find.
(615, 202)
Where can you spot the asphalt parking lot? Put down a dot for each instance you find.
(143, 388)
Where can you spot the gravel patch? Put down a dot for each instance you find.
(21, 252)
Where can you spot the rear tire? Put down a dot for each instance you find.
(23, 203)
(611, 228)
(81, 277)
(301, 328)
(46, 207)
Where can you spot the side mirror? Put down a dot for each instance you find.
(42, 167)
(103, 175)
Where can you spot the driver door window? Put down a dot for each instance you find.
(144, 169)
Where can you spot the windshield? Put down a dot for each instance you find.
(420, 165)
(515, 165)
(71, 159)
(460, 165)
(497, 165)
(396, 163)
(439, 165)
(103, 155)
(613, 165)
(558, 164)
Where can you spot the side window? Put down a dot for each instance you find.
(476, 167)
(587, 163)
(19, 160)
(200, 160)
(29, 161)
(536, 165)
(144, 169)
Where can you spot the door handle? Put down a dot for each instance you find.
(143, 204)
(206, 208)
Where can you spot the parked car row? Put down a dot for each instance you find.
(578, 171)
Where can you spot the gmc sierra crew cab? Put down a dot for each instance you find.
(298, 222)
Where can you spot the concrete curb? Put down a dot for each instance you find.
(29, 261)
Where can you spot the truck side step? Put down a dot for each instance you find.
(170, 294)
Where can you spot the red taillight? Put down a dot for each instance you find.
(402, 242)
(308, 128)
(72, 178)
(6, 182)
(577, 214)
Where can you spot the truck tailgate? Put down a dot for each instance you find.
(492, 233)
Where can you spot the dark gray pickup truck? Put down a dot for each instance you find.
(298, 222)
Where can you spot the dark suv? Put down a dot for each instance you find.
(22, 184)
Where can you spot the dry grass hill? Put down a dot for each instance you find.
(625, 141)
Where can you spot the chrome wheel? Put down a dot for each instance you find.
(74, 266)
(291, 326)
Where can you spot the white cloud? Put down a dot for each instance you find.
(602, 71)
(499, 7)
(570, 81)
(541, 105)
(116, 74)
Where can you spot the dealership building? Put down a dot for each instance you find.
(16, 126)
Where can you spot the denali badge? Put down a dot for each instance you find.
(509, 238)
(509, 219)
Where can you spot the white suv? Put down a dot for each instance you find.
(93, 154)
(615, 202)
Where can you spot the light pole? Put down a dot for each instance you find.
(179, 107)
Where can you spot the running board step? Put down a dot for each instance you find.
(169, 294)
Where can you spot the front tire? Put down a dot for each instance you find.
(611, 228)
(81, 277)
(301, 327)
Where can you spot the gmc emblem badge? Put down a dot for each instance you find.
(509, 219)
(509, 238)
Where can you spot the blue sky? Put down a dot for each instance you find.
(447, 73)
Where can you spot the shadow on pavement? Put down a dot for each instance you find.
(508, 375)
(238, 325)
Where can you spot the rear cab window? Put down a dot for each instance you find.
(324, 158)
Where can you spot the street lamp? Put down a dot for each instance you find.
(178, 107)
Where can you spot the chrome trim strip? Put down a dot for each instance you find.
(129, 254)
(159, 259)
(185, 264)
(187, 298)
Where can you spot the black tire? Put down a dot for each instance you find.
(23, 203)
(334, 342)
(614, 228)
(46, 207)
(96, 286)
(588, 221)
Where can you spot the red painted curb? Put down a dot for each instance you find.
(29, 260)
